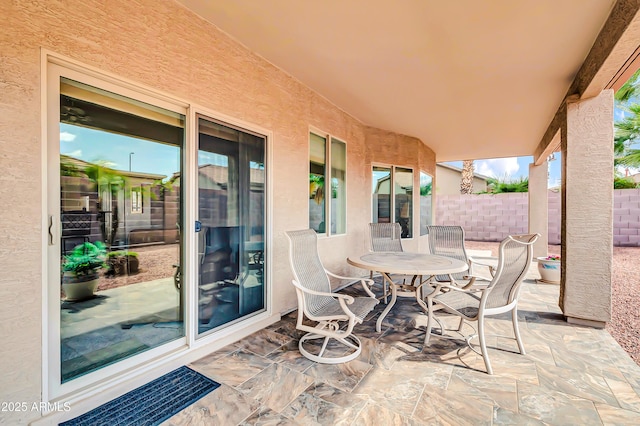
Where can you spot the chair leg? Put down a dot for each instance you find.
(350, 341)
(483, 345)
(516, 330)
(461, 324)
(429, 322)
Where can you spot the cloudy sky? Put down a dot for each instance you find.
(513, 168)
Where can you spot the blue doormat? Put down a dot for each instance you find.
(152, 403)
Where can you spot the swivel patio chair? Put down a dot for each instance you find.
(501, 295)
(449, 241)
(385, 237)
(318, 303)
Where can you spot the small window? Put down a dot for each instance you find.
(136, 199)
(393, 197)
(426, 186)
(327, 201)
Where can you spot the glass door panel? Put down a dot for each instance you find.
(120, 215)
(403, 190)
(381, 181)
(231, 201)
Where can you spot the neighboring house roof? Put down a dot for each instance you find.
(458, 169)
(635, 177)
(81, 164)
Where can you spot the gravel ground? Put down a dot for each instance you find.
(625, 294)
(157, 262)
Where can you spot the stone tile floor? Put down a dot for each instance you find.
(570, 375)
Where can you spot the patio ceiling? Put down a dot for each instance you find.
(470, 79)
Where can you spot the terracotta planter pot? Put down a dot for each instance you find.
(549, 270)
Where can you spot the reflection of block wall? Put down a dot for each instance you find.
(491, 217)
(555, 216)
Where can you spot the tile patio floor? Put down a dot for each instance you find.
(570, 375)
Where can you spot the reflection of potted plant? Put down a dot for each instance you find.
(122, 262)
(549, 269)
(80, 270)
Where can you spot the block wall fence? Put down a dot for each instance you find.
(491, 217)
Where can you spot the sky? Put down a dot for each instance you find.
(514, 168)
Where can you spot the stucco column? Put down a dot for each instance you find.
(539, 206)
(587, 210)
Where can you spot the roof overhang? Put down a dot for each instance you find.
(470, 79)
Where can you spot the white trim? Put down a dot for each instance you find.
(158, 97)
(392, 203)
(55, 70)
(197, 339)
(329, 137)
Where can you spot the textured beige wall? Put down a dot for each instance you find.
(539, 207)
(587, 227)
(448, 182)
(163, 45)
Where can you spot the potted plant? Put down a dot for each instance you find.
(80, 270)
(549, 269)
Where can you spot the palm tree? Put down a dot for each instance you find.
(628, 133)
(466, 180)
(630, 89)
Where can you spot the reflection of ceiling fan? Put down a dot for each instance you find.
(73, 114)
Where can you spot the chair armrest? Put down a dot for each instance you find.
(348, 299)
(366, 282)
(489, 262)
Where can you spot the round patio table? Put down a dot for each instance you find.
(406, 263)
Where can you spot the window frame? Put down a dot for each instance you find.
(392, 194)
(422, 172)
(328, 176)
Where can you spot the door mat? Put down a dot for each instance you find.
(152, 403)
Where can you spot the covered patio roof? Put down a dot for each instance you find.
(470, 79)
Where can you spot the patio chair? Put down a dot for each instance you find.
(449, 241)
(385, 237)
(318, 303)
(501, 295)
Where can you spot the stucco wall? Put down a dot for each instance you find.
(448, 182)
(164, 46)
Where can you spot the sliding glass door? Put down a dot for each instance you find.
(119, 207)
(231, 219)
(124, 291)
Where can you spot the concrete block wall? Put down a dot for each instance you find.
(491, 217)
(626, 217)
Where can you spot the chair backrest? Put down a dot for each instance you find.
(514, 257)
(448, 241)
(385, 237)
(307, 268)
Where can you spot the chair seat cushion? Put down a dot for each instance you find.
(466, 303)
(360, 307)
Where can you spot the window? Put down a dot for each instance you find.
(336, 173)
(392, 189)
(136, 200)
(426, 186)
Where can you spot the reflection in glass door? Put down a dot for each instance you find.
(231, 201)
(120, 215)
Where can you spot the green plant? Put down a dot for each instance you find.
(426, 189)
(623, 183)
(121, 253)
(85, 259)
(499, 186)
